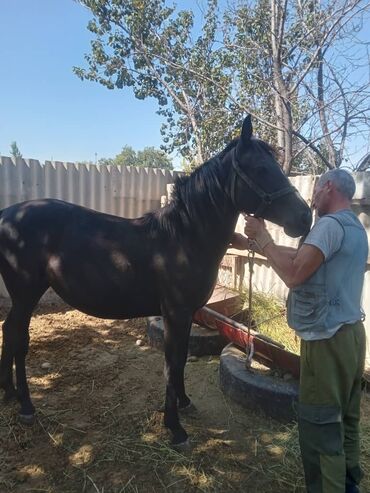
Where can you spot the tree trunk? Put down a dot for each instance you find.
(199, 147)
(330, 149)
(283, 109)
(279, 123)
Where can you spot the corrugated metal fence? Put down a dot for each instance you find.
(120, 190)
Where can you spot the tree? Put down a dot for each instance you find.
(149, 157)
(293, 64)
(148, 47)
(14, 151)
(127, 157)
(106, 161)
(298, 52)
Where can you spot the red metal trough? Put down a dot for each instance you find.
(266, 351)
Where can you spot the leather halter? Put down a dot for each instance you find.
(266, 198)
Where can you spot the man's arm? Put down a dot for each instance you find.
(292, 266)
(240, 242)
(294, 269)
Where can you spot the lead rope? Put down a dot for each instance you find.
(249, 349)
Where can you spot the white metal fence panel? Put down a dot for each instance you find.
(124, 191)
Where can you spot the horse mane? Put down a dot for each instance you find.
(266, 147)
(198, 197)
(194, 196)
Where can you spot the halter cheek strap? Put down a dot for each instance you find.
(266, 198)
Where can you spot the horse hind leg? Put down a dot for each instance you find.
(6, 364)
(15, 348)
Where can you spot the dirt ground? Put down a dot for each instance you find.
(98, 394)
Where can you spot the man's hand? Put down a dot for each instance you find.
(293, 266)
(256, 230)
(241, 242)
(253, 226)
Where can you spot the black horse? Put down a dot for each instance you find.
(164, 263)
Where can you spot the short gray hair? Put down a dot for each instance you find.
(343, 181)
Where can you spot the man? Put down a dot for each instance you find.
(325, 276)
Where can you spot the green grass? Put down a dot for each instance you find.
(269, 314)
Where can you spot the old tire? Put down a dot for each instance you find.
(202, 341)
(275, 397)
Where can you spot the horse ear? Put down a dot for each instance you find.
(247, 130)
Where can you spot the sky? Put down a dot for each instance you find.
(44, 107)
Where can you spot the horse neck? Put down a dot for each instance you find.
(219, 235)
(209, 223)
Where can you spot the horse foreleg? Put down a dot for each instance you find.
(183, 400)
(176, 339)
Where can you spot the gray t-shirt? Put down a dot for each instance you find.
(327, 235)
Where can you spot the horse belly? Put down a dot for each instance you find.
(112, 304)
(106, 294)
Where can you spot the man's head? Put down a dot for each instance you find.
(333, 191)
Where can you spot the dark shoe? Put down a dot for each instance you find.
(353, 478)
(353, 488)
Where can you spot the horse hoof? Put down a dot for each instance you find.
(179, 438)
(188, 409)
(181, 446)
(26, 419)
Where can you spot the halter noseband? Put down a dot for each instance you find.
(266, 198)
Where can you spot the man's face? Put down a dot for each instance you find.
(321, 198)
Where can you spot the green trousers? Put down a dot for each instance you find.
(329, 410)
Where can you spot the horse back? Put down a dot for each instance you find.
(104, 265)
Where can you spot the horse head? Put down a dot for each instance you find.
(259, 186)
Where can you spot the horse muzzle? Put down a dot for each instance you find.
(300, 228)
